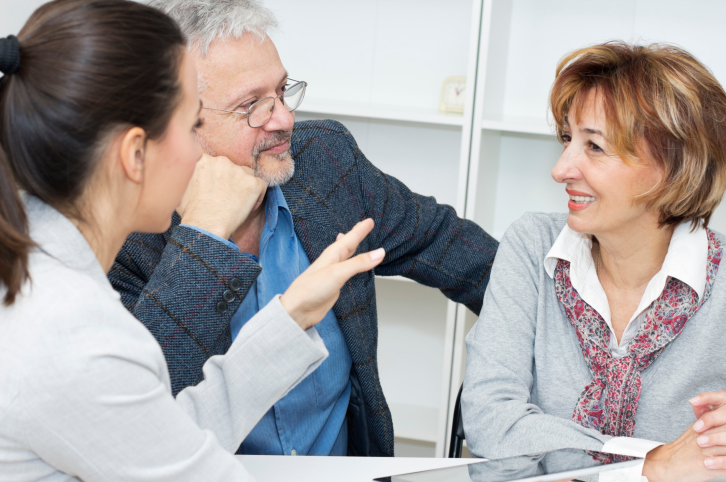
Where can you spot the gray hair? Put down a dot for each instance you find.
(204, 21)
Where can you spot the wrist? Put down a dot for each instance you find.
(294, 314)
(654, 465)
(211, 227)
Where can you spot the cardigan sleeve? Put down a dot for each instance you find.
(500, 418)
(176, 287)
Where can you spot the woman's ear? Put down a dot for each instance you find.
(132, 154)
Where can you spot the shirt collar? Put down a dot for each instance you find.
(274, 205)
(686, 258)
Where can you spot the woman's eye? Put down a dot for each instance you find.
(565, 138)
(199, 124)
(594, 147)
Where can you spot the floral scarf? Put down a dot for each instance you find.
(609, 403)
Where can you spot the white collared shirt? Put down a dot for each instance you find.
(686, 260)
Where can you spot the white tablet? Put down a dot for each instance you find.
(574, 465)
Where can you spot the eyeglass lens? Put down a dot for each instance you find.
(261, 112)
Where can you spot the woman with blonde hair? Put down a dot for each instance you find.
(98, 113)
(599, 325)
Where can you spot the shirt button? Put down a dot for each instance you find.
(294, 452)
(228, 296)
(235, 284)
(222, 307)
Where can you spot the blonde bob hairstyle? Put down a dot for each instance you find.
(661, 102)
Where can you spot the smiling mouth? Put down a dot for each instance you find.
(582, 199)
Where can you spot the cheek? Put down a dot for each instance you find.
(178, 159)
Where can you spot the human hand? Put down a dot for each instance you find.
(316, 290)
(707, 401)
(699, 454)
(220, 196)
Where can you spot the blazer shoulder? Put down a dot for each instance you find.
(326, 132)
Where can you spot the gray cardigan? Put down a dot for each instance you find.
(525, 369)
(85, 390)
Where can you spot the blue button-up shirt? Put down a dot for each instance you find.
(310, 419)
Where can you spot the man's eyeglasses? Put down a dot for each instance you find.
(260, 112)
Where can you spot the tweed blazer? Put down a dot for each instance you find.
(174, 281)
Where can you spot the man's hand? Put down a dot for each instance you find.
(316, 290)
(220, 196)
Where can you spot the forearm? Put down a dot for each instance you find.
(426, 241)
(176, 291)
(269, 357)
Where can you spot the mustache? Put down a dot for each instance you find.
(272, 140)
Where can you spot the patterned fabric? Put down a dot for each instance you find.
(609, 403)
(173, 282)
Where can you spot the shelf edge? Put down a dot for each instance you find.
(385, 115)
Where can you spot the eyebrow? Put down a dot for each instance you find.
(200, 107)
(590, 130)
(255, 90)
(587, 130)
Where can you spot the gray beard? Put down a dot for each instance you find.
(279, 176)
(282, 174)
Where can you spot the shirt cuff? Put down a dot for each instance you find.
(213, 236)
(630, 446)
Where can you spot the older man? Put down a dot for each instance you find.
(276, 194)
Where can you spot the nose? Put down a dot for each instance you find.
(281, 120)
(566, 168)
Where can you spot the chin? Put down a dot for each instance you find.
(276, 170)
(578, 224)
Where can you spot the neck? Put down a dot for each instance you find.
(103, 225)
(103, 232)
(632, 258)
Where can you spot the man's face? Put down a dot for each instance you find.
(235, 74)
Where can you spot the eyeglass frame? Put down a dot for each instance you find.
(247, 112)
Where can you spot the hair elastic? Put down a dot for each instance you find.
(9, 55)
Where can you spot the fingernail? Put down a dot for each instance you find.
(340, 235)
(377, 254)
(702, 440)
(698, 425)
(695, 399)
(708, 462)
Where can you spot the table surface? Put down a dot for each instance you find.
(285, 468)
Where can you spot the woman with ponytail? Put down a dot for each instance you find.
(98, 111)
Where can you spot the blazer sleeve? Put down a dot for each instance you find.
(424, 240)
(104, 412)
(500, 419)
(177, 288)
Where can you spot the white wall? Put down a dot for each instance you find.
(14, 13)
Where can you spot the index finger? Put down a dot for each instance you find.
(709, 398)
(346, 245)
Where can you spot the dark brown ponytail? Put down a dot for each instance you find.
(14, 240)
(87, 68)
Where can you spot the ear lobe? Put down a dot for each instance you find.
(132, 153)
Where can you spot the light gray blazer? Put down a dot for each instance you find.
(525, 370)
(84, 387)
